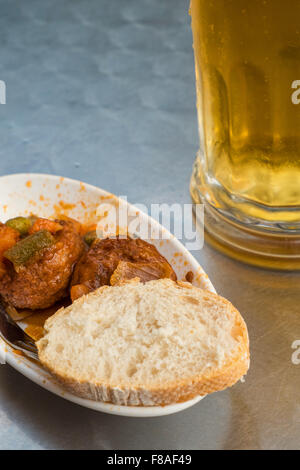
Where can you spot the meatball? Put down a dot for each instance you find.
(45, 278)
(112, 260)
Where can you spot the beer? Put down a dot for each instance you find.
(247, 59)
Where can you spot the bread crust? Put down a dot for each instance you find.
(179, 391)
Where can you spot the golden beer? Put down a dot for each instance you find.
(247, 172)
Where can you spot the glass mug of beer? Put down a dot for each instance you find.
(247, 171)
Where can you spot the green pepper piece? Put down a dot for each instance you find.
(22, 251)
(90, 237)
(21, 224)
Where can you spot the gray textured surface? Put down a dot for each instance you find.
(103, 91)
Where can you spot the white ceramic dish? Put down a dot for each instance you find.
(47, 196)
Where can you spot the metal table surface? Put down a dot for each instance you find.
(104, 92)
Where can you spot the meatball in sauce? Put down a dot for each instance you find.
(112, 260)
(44, 277)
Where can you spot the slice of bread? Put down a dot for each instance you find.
(146, 344)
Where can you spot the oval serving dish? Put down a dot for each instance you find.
(49, 196)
